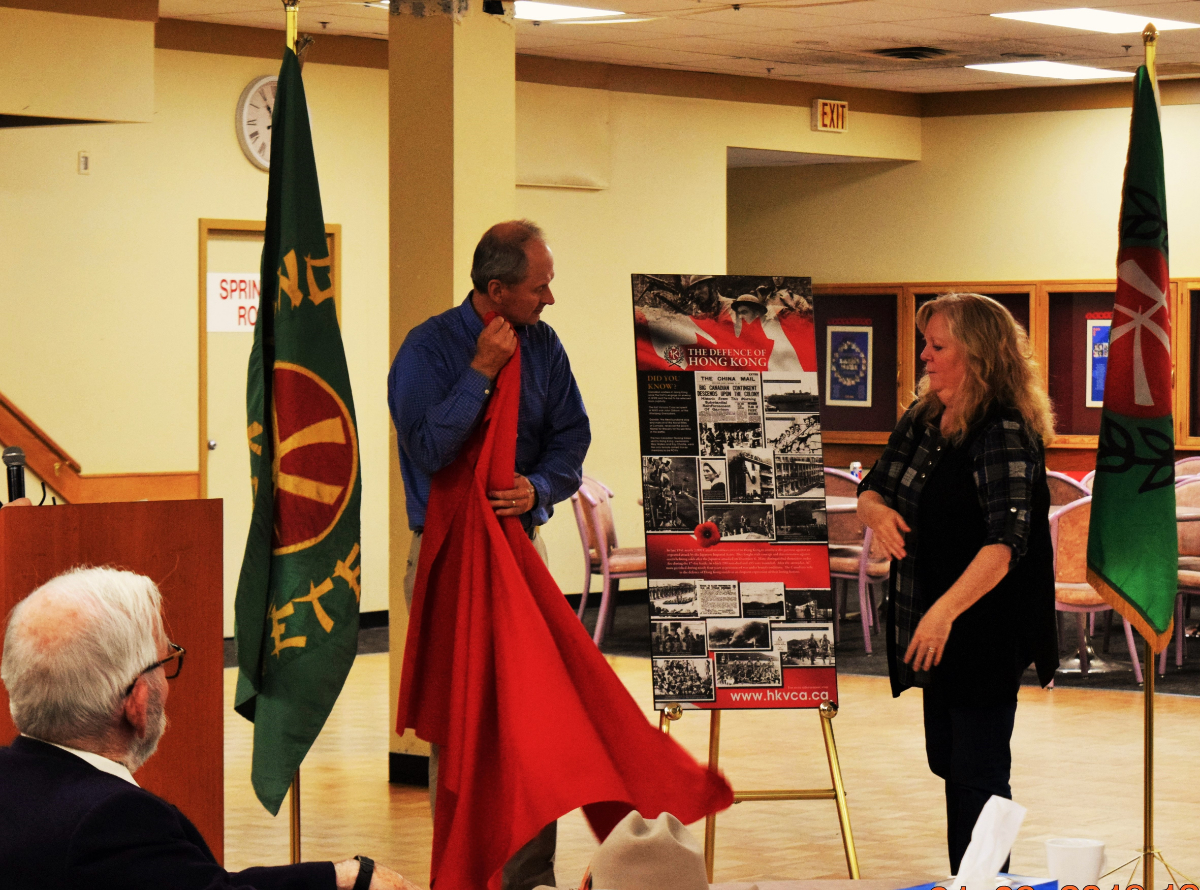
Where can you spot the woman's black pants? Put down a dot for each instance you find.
(968, 747)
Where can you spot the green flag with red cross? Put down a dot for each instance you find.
(1133, 549)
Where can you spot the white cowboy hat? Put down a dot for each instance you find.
(640, 855)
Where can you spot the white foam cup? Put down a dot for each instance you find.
(1074, 860)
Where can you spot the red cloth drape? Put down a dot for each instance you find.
(532, 721)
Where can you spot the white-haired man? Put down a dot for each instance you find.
(86, 664)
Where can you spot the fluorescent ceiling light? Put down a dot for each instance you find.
(553, 12)
(1057, 70)
(1100, 20)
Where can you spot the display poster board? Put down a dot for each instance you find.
(737, 557)
(1097, 360)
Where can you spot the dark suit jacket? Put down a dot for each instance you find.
(65, 824)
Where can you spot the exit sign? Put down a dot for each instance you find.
(829, 115)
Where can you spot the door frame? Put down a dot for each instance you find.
(218, 227)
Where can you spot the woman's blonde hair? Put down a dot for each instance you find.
(1000, 365)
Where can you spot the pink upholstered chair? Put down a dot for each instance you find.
(1188, 466)
(1064, 489)
(1072, 593)
(1187, 494)
(601, 555)
(1088, 479)
(851, 555)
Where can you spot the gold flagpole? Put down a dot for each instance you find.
(294, 809)
(292, 13)
(1149, 40)
(1148, 850)
(292, 8)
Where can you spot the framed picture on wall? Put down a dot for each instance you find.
(1097, 360)
(848, 360)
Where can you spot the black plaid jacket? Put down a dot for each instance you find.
(1005, 464)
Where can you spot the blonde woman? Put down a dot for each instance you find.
(959, 500)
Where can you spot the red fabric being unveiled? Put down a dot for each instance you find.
(532, 721)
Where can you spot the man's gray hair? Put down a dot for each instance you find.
(500, 253)
(72, 648)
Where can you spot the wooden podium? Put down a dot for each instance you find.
(178, 545)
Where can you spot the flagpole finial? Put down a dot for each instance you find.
(1150, 41)
(292, 11)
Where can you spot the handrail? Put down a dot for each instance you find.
(38, 433)
(62, 473)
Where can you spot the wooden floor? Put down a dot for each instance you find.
(1077, 767)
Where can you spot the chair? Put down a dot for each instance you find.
(839, 483)
(1187, 494)
(851, 555)
(1072, 593)
(601, 555)
(1188, 466)
(1087, 480)
(1064, 489)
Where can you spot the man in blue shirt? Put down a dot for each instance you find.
(438, 389)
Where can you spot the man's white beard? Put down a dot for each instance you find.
(156, 724)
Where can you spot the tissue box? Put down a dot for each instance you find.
(1003, 880)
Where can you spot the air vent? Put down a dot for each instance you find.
(911, 53)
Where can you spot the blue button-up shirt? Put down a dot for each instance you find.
(437, 398)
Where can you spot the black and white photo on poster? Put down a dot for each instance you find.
(683, 679)
(801, 521)
(751, 474)
(672, 598)
(742, 522)
(678, 638)
(794, 434)
(718, 599)
(717, 438)
(713, 483)
(804, 645)
(728, 397)
(809, 605)
(790, 393)
(763, 599)
(738, 633)
(670, 493)
(748, 669)
(798, 475)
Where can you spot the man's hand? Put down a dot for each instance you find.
(382, 879)
(494, 347)
(516, 500)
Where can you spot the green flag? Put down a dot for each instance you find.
(297, 597)
(1133, 550)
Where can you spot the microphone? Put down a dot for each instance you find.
(14, 460)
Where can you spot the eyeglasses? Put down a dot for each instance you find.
(171, 665)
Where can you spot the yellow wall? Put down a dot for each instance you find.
(99, 345)
(663, 212)
(1011, 196)
(100, 335)
(80, 67)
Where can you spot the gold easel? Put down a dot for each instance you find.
(837, 793)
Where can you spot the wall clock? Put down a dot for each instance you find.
(252, 120)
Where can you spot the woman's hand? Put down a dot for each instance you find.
(888, 525)
(929, 641)
(983, 573)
